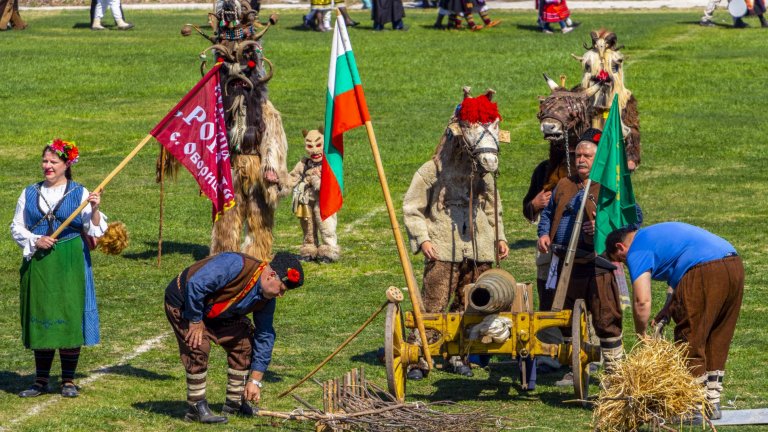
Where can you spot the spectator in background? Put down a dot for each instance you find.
(98, 7)
(551, 11)
(386, 11)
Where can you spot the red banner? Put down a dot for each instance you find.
(195, 134)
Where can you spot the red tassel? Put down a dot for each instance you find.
(479, 110)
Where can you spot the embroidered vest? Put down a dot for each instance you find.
(41, 223)
(218, 302)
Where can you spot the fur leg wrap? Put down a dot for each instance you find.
(235, 385)
(308, 249)
(330, 246)
(196, 384)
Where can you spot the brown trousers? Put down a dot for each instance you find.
(234, 335)
(705, 308)
(443, 279)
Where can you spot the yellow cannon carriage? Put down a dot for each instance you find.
(492, 293)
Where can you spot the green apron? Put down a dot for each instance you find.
(53, 296)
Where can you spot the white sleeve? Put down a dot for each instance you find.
(21, 235)
(95, 231)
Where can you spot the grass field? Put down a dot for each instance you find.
(701, 95)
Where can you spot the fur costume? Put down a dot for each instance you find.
(9, 14)
(255, 132)
(436, 206)
(603, 64)
(305, 181)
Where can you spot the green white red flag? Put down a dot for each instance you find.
(345, 109)
(194, 133)
(616, 201)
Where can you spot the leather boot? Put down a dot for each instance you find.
(347, 19)
(96, 25)
(242, 409)
(201, 413)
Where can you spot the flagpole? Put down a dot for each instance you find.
(565, 272)
(101, 186)
(410, 280)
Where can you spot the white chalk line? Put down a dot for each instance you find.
(361, 220)
(95, 375)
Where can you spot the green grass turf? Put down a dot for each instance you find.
(701, 95)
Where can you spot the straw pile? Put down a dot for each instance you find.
(653, 385)
(115, 240)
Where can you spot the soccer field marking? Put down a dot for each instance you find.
(95, 375)
(361, 220)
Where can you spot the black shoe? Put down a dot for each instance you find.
(707, 23)
(415, 374)
(378, 27)
(694, 419)
(239, 409)
(739, 23)
(34, 391)
(715, 413)
(306, 258)
(324, 260)
(463, 370)
(200, 412)
(352, 23)
(69, 390)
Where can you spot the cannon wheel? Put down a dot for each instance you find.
(394, 342)
(579, 339)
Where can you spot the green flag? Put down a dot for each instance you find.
(616, 201)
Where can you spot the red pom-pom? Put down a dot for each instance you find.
(478, 110)
(596, 138)
(293, 275)
(602, 76)
(220, 60)
(251, 64)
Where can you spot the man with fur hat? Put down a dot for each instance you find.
(707, 278)
(209, 302)
(592, 276)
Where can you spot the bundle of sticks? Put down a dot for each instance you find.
(351, 403)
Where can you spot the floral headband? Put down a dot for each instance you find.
(66, 150)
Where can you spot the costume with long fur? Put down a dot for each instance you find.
(320, 239)
(9, 14)
(436, 208)
(257, 141)
(603, 64)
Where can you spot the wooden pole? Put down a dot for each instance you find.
(101, 186)
(410, 280)
(336, 351)
(565, 273)
(162, 206)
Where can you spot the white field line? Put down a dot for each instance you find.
(95, 375)
(365, 218)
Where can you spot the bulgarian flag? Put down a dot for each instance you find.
(345, 109)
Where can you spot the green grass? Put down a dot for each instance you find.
(702, 100)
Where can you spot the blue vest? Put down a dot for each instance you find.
(36, 220)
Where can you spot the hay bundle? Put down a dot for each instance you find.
(650, 387)
(115, 240)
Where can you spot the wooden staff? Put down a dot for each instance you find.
(565, 272)
(101, 186)
(162, 196)
(410, 280)
(393, 295)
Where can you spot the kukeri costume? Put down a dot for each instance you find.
(221, 291)
(9, 15)
(320, 240)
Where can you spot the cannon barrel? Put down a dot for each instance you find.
(494, 291)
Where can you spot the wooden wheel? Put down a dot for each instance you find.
(579, 356)
(394, 348)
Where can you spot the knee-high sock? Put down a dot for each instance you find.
(69, 358)
(43, 362)
(714, 385)
(235, 386)
(196, 387)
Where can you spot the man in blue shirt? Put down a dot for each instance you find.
(209, 302)
(707, 278)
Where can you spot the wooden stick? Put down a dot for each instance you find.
(101, 186)
(162, 206)
(405, 262)
(565, 272)
(336, 351)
